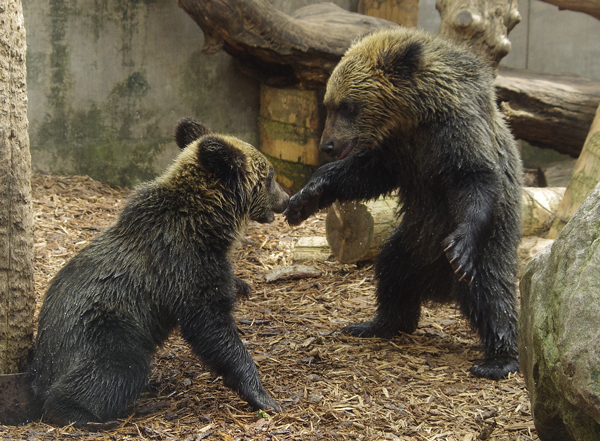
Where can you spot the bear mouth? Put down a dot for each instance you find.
(349, 147)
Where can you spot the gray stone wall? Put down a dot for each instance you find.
(109, 79)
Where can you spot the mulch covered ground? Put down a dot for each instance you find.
(330, 385)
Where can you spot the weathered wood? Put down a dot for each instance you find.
(538, 209)
(355, 230)
(17, 299)
(403, 12)
(482, 25)
(298, 50)
(591, 7)
(301, 50)
(586, 176)
(292, 272)
(312, 248)
(290, 128)
(548, 111)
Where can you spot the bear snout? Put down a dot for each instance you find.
(281, 202)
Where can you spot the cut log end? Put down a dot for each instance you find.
(349, 230)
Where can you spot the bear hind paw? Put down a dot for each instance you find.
(496, 368)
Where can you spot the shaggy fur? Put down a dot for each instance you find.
(162, 264)
(411, 112)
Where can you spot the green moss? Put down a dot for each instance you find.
(133, 87)
(287, 172)
(99, 141)
(534, 157)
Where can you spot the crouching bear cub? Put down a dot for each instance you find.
(162, 264)
(408, 111)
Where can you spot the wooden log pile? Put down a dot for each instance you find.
(548, 111)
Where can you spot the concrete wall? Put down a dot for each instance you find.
(546, 41)
(108, 79)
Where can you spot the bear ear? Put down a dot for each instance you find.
(402, 62)
(188, 130)
(221, 158)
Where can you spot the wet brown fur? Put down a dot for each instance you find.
(412, 113)
(163, 263)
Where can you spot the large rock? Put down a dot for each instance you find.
(559, 327)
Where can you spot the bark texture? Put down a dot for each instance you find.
(481, 24)
(548, 111)
(16, 221)
(590, 7)
(298, 50)
(586, 176)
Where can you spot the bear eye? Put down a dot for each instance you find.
(347, 108)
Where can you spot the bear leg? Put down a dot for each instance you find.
(97, 390)
(402, 286)
(216, 341)
(489, 305)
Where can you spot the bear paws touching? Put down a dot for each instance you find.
(303, 204)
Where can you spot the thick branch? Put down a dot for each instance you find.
(548, 111)
(297, 50)
(482, 25)
(591, 7)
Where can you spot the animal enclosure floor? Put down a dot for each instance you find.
(330, 385)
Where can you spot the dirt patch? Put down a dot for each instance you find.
(330, 385)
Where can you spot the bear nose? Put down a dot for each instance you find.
(326, 147)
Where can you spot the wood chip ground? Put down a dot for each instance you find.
(330, 385)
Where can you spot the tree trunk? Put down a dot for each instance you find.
(586, 176)
(355, 230)
(548, 111)
(481, 24)
(591, 7)
(17, 301)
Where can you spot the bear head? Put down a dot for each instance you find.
(375, 91)
(234, 166)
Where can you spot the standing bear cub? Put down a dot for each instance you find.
(408, 111)
(163, 263)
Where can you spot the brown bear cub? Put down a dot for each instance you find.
(163, 263)
(410, 112)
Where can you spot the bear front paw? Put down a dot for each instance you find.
(302, 205)
(242, 289)
(263, 401)
(459, 253)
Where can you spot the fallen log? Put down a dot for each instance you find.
(355, 230)
(548, 111)
(591, 7)
(298, 50)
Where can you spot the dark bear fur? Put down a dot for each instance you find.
(408, 111)
(163, 263)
